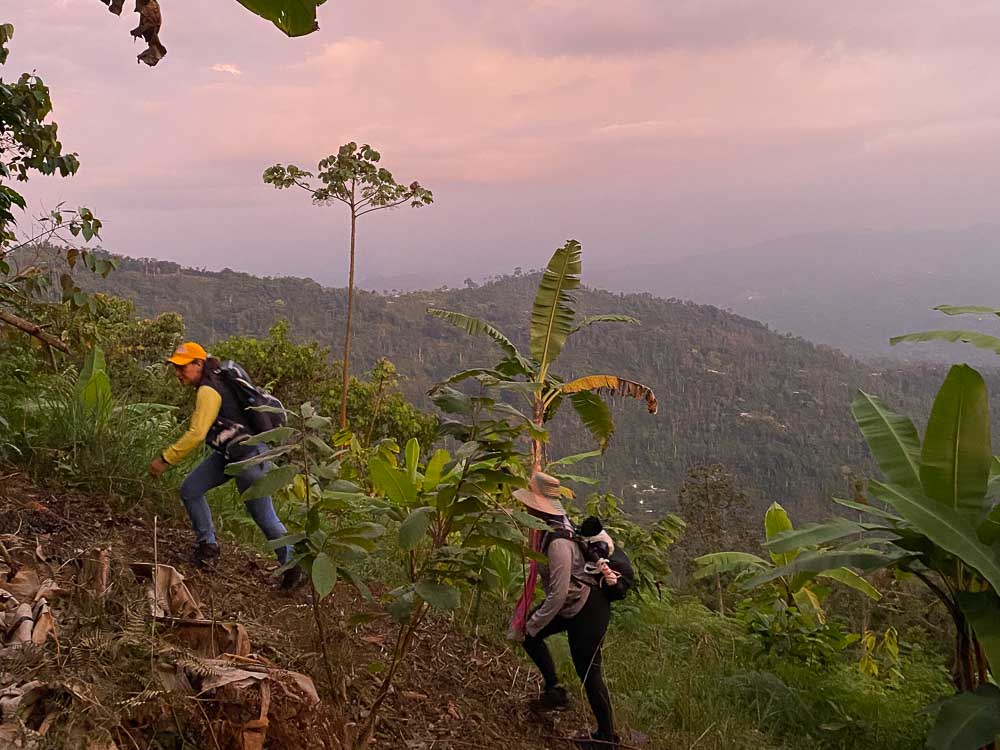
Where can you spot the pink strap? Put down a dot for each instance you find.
(520, 618)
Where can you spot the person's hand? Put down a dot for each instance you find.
(610, 576)
(158, 466)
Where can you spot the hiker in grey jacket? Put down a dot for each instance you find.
(572, 605)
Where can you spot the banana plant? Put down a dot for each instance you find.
(977, 339)
(933, 515)
(801, 589)
(553, 321)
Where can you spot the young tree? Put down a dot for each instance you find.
(352, 177)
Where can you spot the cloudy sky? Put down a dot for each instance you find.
(644, 128)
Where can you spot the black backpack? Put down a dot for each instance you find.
(248, 395)
(618, 562)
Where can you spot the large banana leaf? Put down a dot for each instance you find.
(956, 456)
(967, 310)
(476, 327)
(967, 721)
(727, 562)
(776, 521)
(813, 534)
(980, 340)
(946, 527)
(595, 415)
(592, 319)
(613, 385)
(982, 610)
(823, 561)
(892, 439)
(849, 578)
(869, 509)
(554, 311)
(294, 17)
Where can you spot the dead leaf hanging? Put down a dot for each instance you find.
(613, 385)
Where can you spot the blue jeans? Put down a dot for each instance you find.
(212, 473)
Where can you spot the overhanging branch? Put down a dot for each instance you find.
(32, 329)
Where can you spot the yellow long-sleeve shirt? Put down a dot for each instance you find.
(207, 404)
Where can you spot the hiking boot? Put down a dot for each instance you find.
(205, 553)
(292, 578)
(551, 699)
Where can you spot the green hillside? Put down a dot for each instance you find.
(772, 408)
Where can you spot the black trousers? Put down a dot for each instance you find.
(585, 632)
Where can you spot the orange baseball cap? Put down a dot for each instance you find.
(187, 353)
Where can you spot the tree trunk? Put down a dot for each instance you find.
(722, 601)
(350, 314)
(538, 417)
(32, 329)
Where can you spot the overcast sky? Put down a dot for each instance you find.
(644, 128)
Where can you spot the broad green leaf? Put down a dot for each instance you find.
(324, 574)
(432, 472)
(553, 312)
(982, 609)
(439, 595)
(393, 482)
(967, 721)
(414, 527)
(592, 319)
(237, 467)
(595, 415)
(403, 601)
(575, 458)
(276, 436)
(452, 401)
(809, 605)
(812, 534)
(475, 372)
(576, 478)
(956, 456)
(979, 340)
(412, 453)
(993, 486)
(475, 327)
(727, 562)
(776, 521)
(866, 508)
(967, 310)
(849, 578)
(944, 526)
(988, 530)
(892, 439)
(823, 561)
(276, 479)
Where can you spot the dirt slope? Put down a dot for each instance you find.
(457, 692)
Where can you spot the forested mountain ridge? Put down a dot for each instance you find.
(773, 408)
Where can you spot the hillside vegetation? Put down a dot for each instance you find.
(769, 407)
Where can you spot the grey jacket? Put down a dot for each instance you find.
(564, 581)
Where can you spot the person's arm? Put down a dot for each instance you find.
(206, 411)
(560, 555)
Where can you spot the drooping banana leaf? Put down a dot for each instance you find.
(477, 327)
(956, 455)
(613, 385)
(595, 415)
(592, 319)
(813, 534)
(823, 561)
(967, 721)
(865, 508)
(727, 562)
(979, 340)
(946, 527)
(554, 310)
(892, 439)
(982, 609)
(967, 310)
(294, 17)
(849, 578)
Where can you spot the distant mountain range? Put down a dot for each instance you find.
(852, 291)
(773, 408)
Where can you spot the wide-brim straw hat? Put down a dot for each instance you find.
(542, 494)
